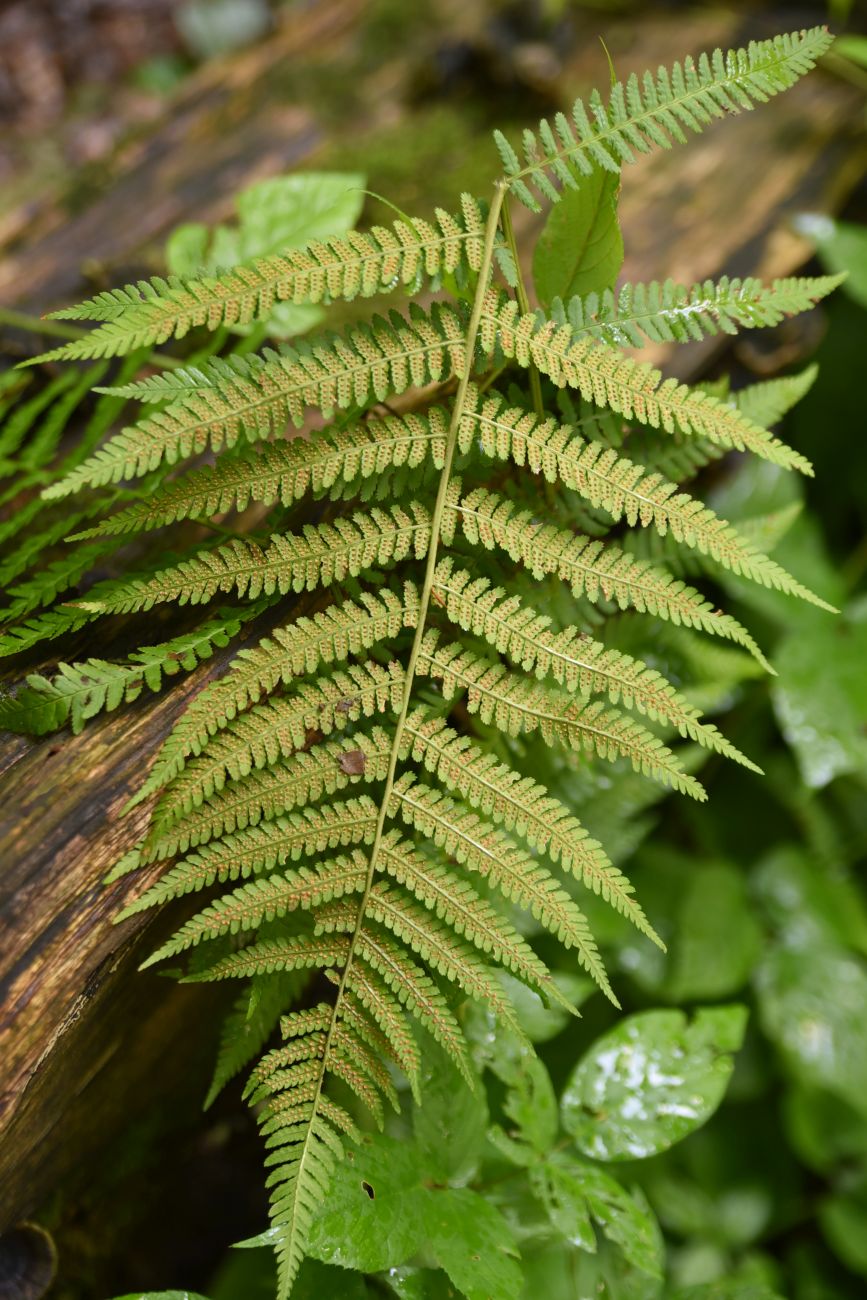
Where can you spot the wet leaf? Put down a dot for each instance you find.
(811, 1004)
(650, 1081)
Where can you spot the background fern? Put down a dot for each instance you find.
(432, 681)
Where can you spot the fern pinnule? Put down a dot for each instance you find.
(359, 264)
(518, 706)
(625, 490)
(572, 658)
(279, 727)
(591, 568)
(677, 313)
(603, 375)
(524, 807)
(262, 795)
(368, 362)
(263, 848)
(285, 472)
(654, 113)
(317, 556)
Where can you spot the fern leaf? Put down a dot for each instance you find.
(573, 659)
(317, 556)
(247, 907)
(82, 690)
(357, 265)
(455, 901)
(279, 727)
(676, 313)
(591, 568)
(285, 472)
(633, 389)
(523, 806)
(369, 362)
(482, 848)
(519, 706)
(249, 1025)
(263, 795)
(656, 112)
(302, 952)
(625, 490)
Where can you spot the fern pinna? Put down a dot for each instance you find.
(352, 792)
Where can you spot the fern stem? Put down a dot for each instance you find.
(523, 302)
(424, 604)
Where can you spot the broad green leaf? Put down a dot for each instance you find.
(558, 1274)
(808, 903)
(717, 936)
(278, 213)
(450, 1124)
(410, 1283)
(530, 1103)
(725, 1289)
(820, 696)
(290, 211)
(852, 47)
(374, 1216)
(580, 250)
(576, 1195)
(824, 1130)
(812, 1006)
(651, 1080)
(381, 1212)
(842, 246)
(474, 1244)
(843, 1218)
(162, 1295)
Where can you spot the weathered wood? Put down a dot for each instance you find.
(81, 1038)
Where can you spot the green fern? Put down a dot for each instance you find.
(352, 793)
(655, 112)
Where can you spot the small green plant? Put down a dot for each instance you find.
(381, 786)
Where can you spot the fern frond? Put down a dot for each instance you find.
(455, 901)
(591, 568)
(501, 862)
(263, 795)
(368, 362)
(358, 265)
(573, 659)
(676, 313)
(631, 388)
(285, 472)
(43, 627)
(522, 805)
(249, 1025)
(624, 490)
(420, 932)
(317, 556)
(82, 690)
(280, 726)
(655, 112)
(518, 706)
(248, 906)
(301, 952)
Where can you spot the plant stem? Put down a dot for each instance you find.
(523, 303)
(424, 604)
(57, 329)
